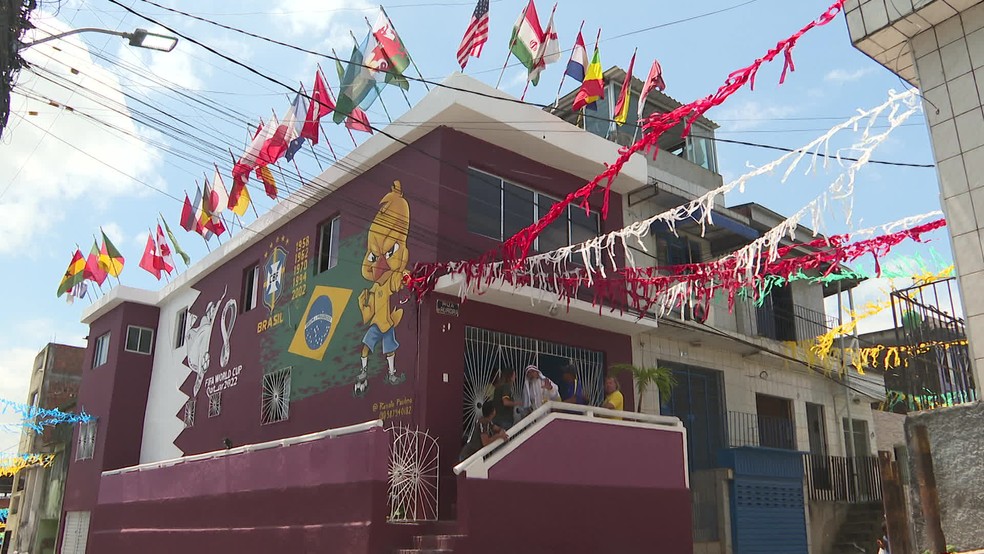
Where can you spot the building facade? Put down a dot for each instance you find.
(36, 502)
(938, 46)
(215, 393)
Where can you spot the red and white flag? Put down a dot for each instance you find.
(151, 259)
(655, 80)
(164, 250)
(217, 193)
(476, 35)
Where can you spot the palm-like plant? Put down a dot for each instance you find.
(646, 377)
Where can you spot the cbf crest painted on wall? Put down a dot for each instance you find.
(274, 270)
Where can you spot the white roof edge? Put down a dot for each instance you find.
(439, 107)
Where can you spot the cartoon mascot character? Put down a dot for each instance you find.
(385, 265)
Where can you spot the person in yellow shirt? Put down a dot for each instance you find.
(613, 397)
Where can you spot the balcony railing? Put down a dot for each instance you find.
(746, 429)
(840, 479)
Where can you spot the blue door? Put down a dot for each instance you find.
(767, 504)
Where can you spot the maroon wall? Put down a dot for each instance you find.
(115, 393)
(283, 499)
(582, 487)
(607, 455)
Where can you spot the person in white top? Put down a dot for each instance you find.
(539, 389)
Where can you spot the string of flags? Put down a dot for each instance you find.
(12, 465)
(380, 59)
(37, 418)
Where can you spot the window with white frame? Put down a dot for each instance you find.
(328, 243)
(86, 446)
(499, 209)
(275, 397)
(180, 327)
(101, 351)
(139, 339)
(189, 413)
(215, 404)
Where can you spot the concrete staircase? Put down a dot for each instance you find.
(860, 531)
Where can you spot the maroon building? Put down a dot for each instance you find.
(288, 394)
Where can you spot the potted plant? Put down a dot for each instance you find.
(647, 377)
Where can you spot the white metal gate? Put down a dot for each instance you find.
(413, 475)
(489, 352)
(76, 532)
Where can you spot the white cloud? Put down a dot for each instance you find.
(115, 233)
(303, 17)
(54, 157)
(750, 114)
(140, 239)
(179, 66)
(846, 76)
(15, 379)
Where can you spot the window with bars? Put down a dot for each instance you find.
(189, 413)
(86, 446)
(139, 339)
(488, 352)
(275, 397)
(215, 404)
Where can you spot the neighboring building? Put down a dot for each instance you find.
(744, 396)
(938, 46)
(36, 504)
(261, 343)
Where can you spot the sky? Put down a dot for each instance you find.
(87, 146)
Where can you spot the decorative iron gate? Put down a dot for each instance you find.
(413, 476)
(487, 353)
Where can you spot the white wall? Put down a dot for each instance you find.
(164, 399)
(742, 378)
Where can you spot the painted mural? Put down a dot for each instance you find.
(338, 330)
(385, 265)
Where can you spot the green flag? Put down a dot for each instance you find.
(389, 55)
(177, 248)
(358, 85)
(527, 37)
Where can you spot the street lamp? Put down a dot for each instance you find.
(140, 38)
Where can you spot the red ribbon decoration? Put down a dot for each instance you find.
(515, 249)
(638, 290)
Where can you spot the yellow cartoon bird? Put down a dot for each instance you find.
(384, 265)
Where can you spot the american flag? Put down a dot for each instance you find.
(476, 35)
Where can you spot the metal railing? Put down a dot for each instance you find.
(480, 461)
(327, 433)
(841, 479)
(746, 429)
(802, 324)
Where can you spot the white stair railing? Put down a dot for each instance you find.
(479, 463)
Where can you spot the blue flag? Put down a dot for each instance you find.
(300, 110)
